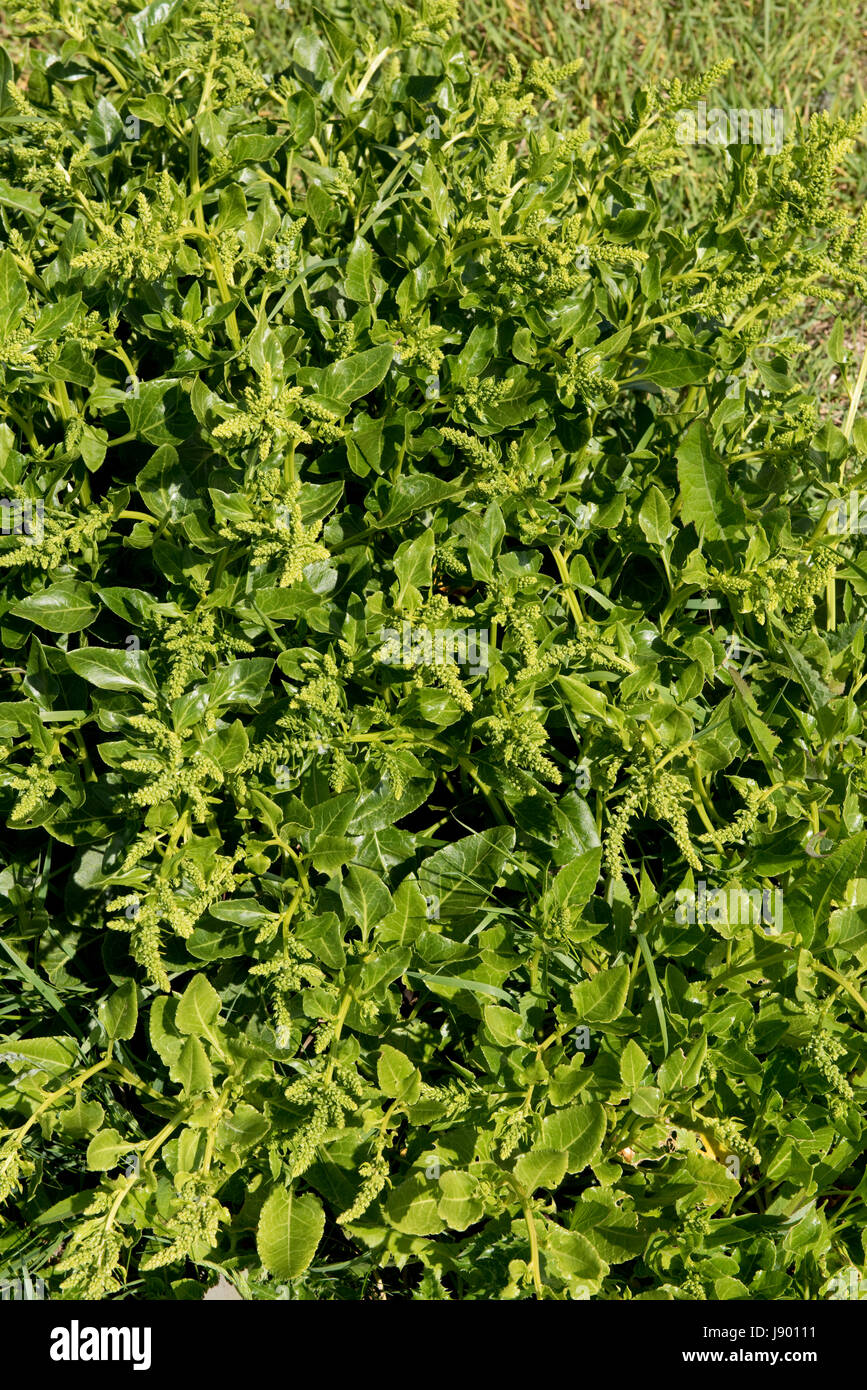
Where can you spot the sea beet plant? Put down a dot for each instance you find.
(433, 613)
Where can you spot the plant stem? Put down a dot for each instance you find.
(527, 1208)
(856, 397)
(52, 1099)
(338, 1029)
(843, 982)
(568, 591)
(489, 796)
(147, 1155)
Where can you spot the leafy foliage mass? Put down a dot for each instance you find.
(341, 958)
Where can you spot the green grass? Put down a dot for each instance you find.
(795, 56)
(802, 58)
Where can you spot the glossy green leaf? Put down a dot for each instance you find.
(289, 1231)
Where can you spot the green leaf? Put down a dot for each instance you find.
(705, 499)
(827, 880)
(114, 670)
(651, 280)
(835, 346)
(654, 517)
(459, 1206)
(192, 1069)
(82, 1118)
(105, 1150)
(353, 377)
(358, 281)
(154, 108)
(633, 1065)
(105, 126)
(573, 1255)
(540, 1168)
(20, 199)
(146, 412)
(431, 184)
(413, 563)
(485, 541)
(13, 292)
(243, 1129)
(574, 884)
(713, 1182)
(228, 747)
(396, 1075)
(409, 916)
(459, 877)
(673, 367)
(764, 741)
(145, 21)
(602, 998)
(51, 1055)
(817, 691)
(578, 1130)
(365, 897)
(414, 492)
(240, 682)
(439, 982)
(583, 699)
(504, 1025)
(413, 1206)
(118, 1014)
(165, 1038)
(164, 484)
(289, 1231)
(198, 1008)
(324, 936)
